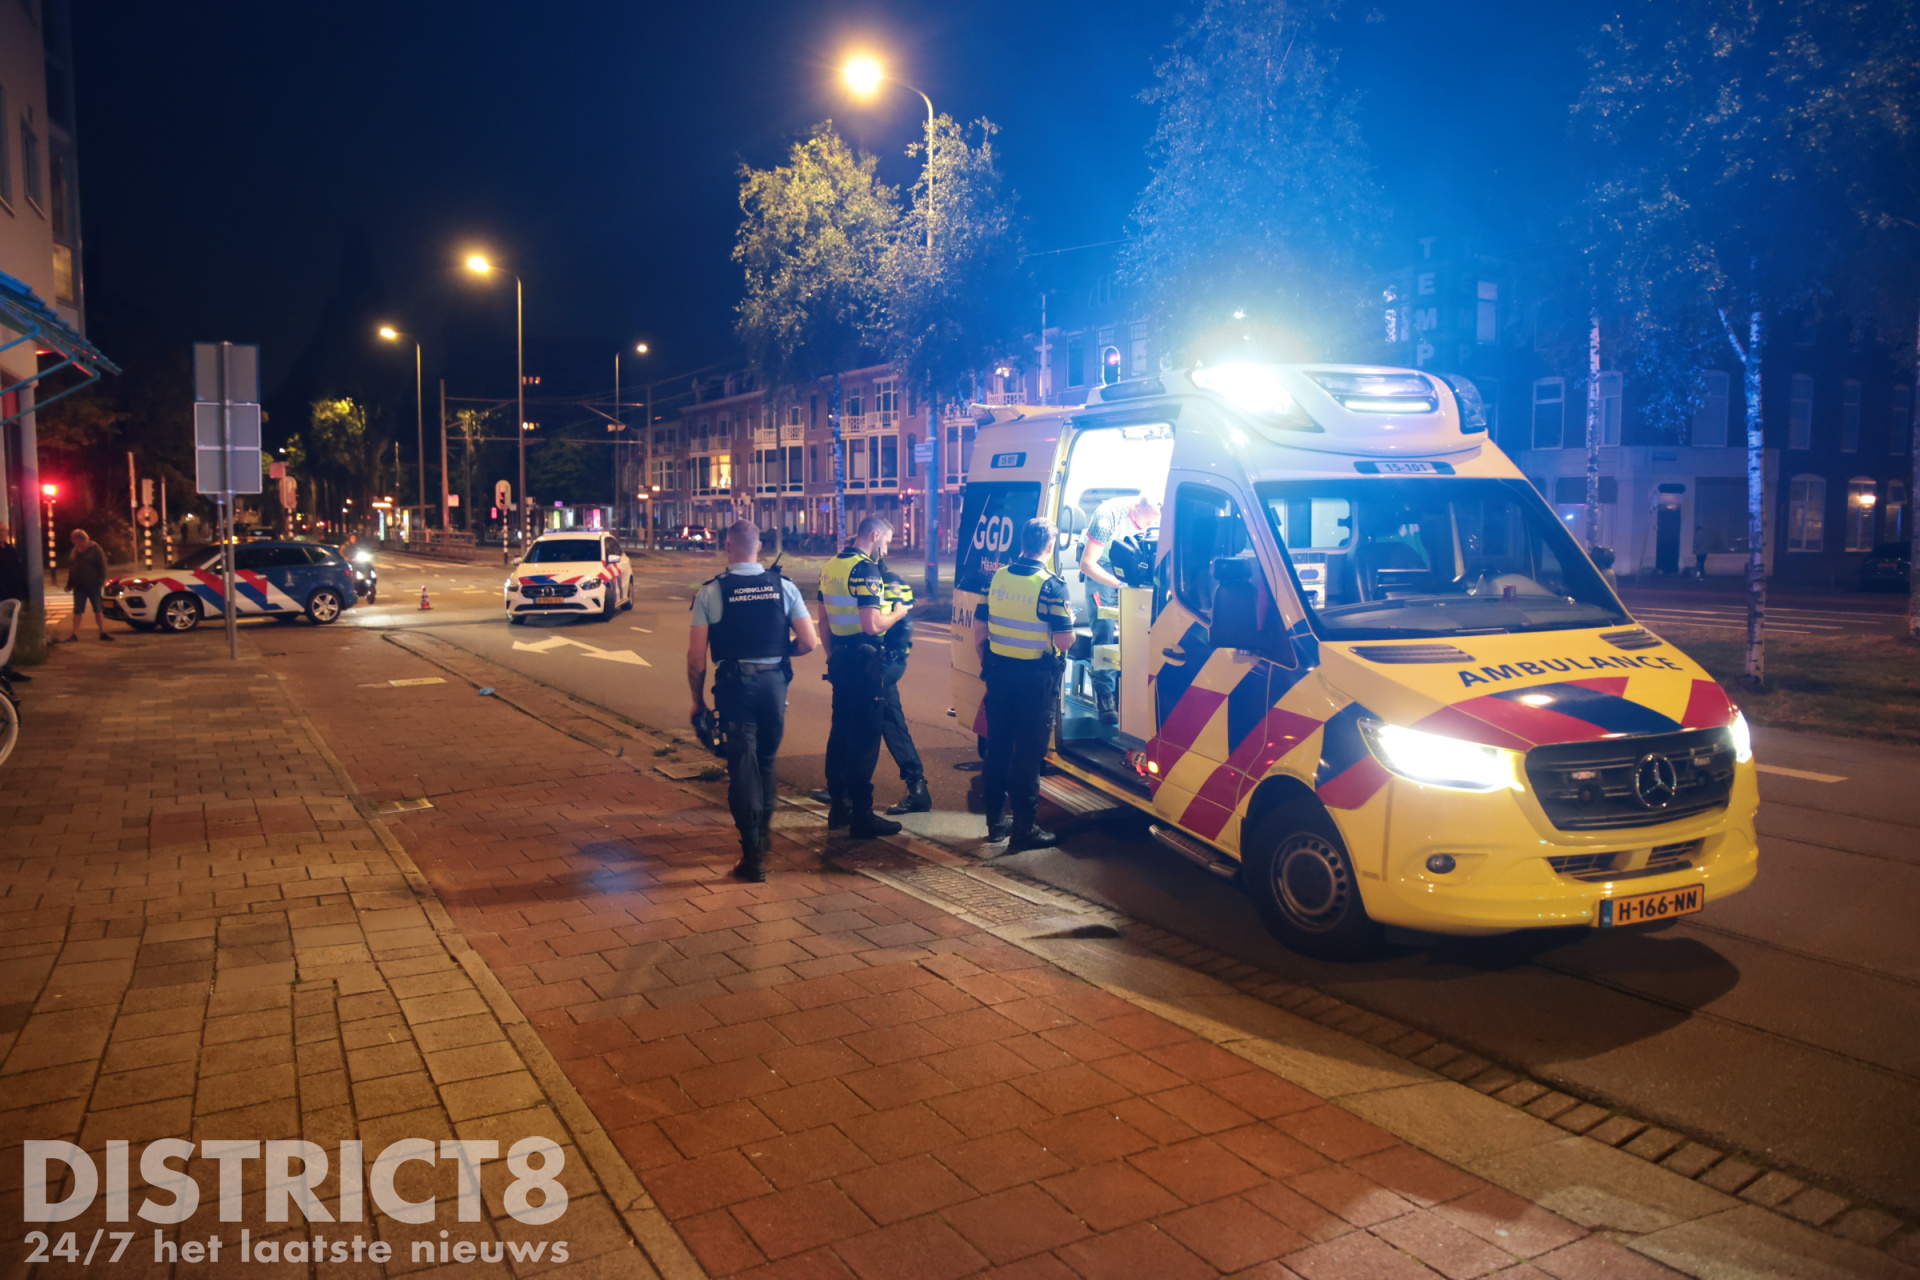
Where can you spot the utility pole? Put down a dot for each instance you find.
(444, 482)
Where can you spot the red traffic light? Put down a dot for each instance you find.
(50, 490)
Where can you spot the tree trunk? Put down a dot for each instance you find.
(1593, 434)
(840, 535)
(1755, 675)
(930, 527)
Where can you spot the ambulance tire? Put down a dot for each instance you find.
(1304, 886)
(323, 606)
(180, 612)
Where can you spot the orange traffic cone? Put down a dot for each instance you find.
(424, 602)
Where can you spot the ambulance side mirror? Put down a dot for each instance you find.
(1239, 620)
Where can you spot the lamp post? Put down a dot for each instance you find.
(863, 76)
(640, 349)
(392, 334)
(479, 265)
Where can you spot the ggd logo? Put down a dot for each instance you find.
(994, 533)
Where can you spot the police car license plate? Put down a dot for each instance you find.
(1644, 908)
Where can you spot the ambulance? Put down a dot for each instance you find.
(1364, 670)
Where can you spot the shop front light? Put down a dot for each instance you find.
(1742, 737)
(1439, 761)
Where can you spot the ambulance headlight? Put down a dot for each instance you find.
(1257, 388)
(1742, 737)
(1440, 761)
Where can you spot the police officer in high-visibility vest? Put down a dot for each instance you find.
(745, 615)
(853, 599)
(896, 647)
(1021, 630)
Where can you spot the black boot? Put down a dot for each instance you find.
(870, 825)
(918, 799)
(998, 827)
(1026, 835)
(838, 816)
(751, 867)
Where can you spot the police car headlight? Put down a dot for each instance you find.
(588, 584)
(1742, 737)
(1440, 761)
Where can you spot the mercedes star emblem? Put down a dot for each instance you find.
(1655, 782)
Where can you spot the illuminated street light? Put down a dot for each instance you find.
(392, 334)
(479, 265)
(863, 75)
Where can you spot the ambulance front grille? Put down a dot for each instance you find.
(1600, 867)
(1401, 654)
(1624, 782)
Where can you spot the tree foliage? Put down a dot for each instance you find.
(949, 276)
(1261, 198)
(812, 239)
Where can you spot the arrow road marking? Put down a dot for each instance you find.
(609, 655)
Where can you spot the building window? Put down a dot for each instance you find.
(1137, 350)
(1849, 416)
(1076, 363)
(813, 464)
(1896, 521)
(30, 165)
(1719, 515)
(1549, 413)
(1901, 424)
(1610, 404)
(856, 407)
(1807, 514)
(1486, 318)
(890, 458)
(1861, 499)
(886, 402)
(1800, 413)
(913, 463)
(1710, 419)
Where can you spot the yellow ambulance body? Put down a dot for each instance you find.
(1363, 669)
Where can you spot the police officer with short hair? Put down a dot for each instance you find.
(1126, 516)
(853, 598)
(745, 616)
(1021, 630)
(896, 647)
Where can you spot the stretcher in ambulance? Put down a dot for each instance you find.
(1363, 669)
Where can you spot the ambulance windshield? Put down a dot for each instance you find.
(1404, 557)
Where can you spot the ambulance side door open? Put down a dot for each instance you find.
(1221, 657)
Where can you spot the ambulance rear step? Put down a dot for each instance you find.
(1192, 850)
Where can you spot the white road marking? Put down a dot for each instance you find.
(401, 684)
(609, 655)
(640, 629)
(1799, 773)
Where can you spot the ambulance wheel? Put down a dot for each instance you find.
(323, 606)
(1304, 886)
(179, 612)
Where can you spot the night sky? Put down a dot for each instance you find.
(230, 151)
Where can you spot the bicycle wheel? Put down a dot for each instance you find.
(9, 727)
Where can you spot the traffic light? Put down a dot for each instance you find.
(1109, 366)
(49, 491)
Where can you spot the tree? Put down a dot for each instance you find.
(471, 424)
(1261, 200)
(344, 454)
(1710, 217)
(812, 239)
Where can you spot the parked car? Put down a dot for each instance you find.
(272, 578)
(576, 572)
(691, 537)
(1889, 568)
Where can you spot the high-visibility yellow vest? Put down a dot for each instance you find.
(1014, 629)
(836, 592)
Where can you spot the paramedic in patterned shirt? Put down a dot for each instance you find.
(745, 615)
(1020, 630)
(1116, 518)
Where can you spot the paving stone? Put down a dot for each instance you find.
(1616, 1130)
(1654, 1144)
(1690, 1160)
(1772, 1189)
(1815, 1207)
(1867, 1226)
(1730, 1175)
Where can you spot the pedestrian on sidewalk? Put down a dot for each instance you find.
(13, 586)
(896, 646)
(853, 599)
(745, 616)
(86, 579)
(1021, 630)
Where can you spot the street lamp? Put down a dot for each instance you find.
(479, 265)
(863, 76)
(639, 349)
(392, 334)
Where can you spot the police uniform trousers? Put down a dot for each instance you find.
(1106, 684)
(750, 702)
(1023, 696)
(855, 668)
(893, 727)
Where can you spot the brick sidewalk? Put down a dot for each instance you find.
(824, 1076)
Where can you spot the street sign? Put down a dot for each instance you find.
(226, 418)
(243, 372)
(146, 517)
(923, 452)
(146, 493)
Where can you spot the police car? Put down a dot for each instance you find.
(580, 572)
(279, 579)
